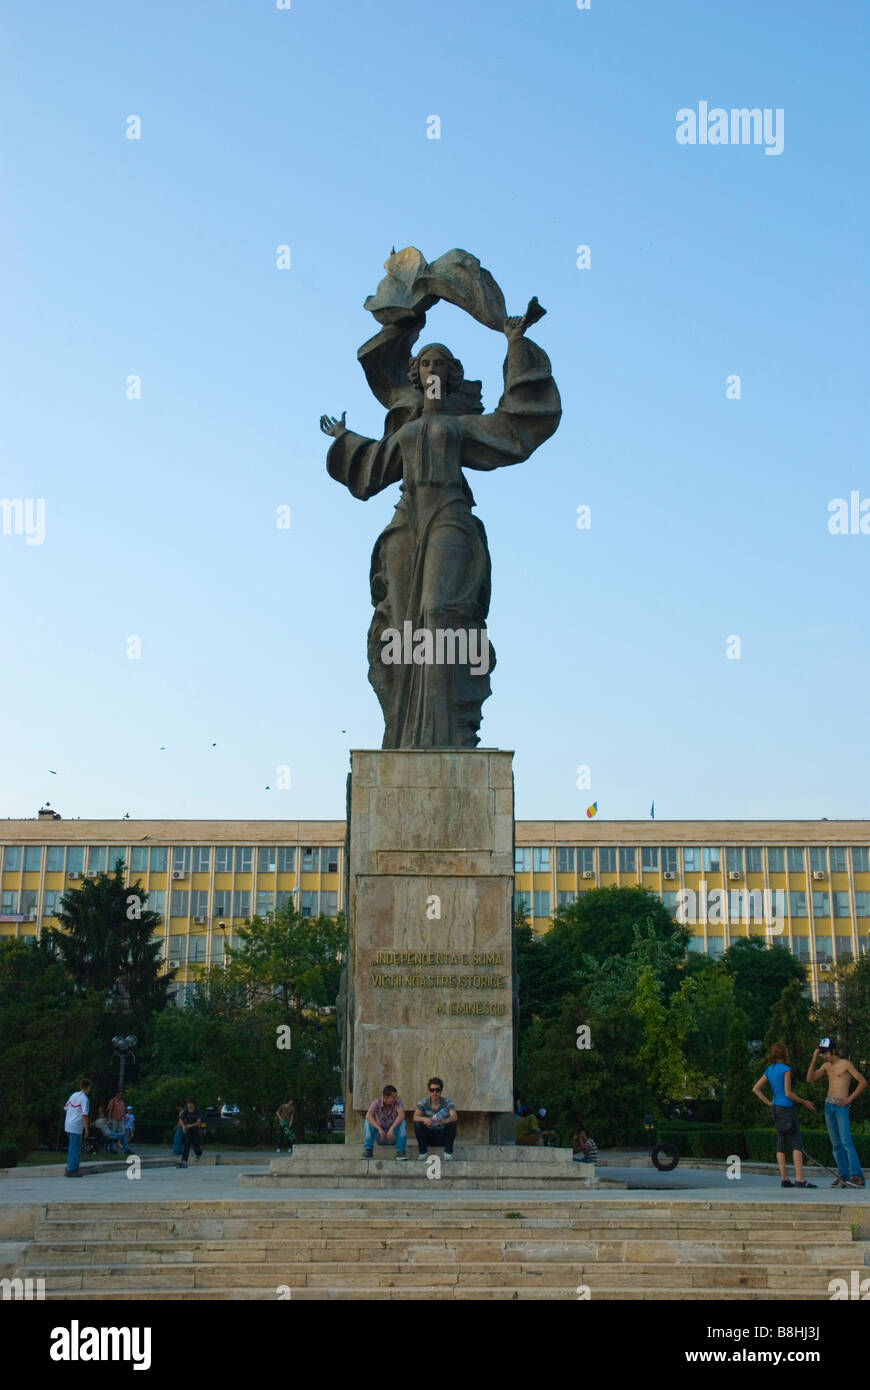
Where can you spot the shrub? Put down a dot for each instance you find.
(8, 1154)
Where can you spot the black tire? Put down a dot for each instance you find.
(665, 1157)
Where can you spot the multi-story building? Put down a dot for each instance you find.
(805, 884)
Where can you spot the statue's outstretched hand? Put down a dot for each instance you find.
(516, 327)
(329, 425)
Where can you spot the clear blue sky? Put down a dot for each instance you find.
(156, 257)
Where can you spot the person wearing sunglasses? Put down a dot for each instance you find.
(435, 1120)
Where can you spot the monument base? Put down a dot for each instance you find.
(430, 915)
(475, 1167)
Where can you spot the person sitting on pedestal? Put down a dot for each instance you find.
(527, 1132)
(385, 1123)
(435, 1120)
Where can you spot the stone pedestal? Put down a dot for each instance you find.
(430, 899)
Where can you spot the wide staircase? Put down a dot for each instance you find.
(467, 1248)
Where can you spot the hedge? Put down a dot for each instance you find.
(757, 1145)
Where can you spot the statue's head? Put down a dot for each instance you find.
(438, 361)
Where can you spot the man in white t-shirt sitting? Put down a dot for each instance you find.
(76, 1124)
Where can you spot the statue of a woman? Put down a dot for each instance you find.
(429, 654)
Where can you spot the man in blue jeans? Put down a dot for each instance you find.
(840, 1072)
(75, 1125)
(385, 1124)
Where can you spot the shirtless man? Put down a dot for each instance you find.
(839, 1071)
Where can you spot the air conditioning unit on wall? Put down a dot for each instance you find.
(587, 873)
(669, 874)
(178, 873)
(819, 874)
(73, 873)
(734, 874)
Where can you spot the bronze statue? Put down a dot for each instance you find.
(429, 653)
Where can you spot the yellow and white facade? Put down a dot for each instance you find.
(206, 878)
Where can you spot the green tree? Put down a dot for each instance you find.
(846, 1018)
(296, 959)
(760, 974)
(108, 944)
(740, 1108)
(47, 1042)
(791, 1022)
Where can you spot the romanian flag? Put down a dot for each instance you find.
(592, 810)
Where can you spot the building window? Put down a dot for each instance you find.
(267, 860)
(159, 856)
(179, 903)
(540, 861)
(586, 861)
(542, 903)
(696, 944)
(754, 859)
(33, 859)
(97, 858)
(734, 859)
(244, 859)
(795, 858)
(12, 858)
(54, 859)
(308, 902)
(823, 948)
(649, 861)
(864, 945)
(117, 852)
(818, 860)
(199, 902)
(522, 902)
(522, 860)
(716, 947)
(139, 860)
(265, 902)
(607, 859)
(670, 901)
(862, 903)
(821, 906)
(284, 895)
(181, 861)
(843, 947)
(712, 860)
(310, 857)
(691, 860)
(217, 948)
(669, 860)
(50, 902)
(797, 903)
(627, 859)
(28, 901)
(223, 902)
(329, 859)
(329, 902)
(564, 861)
(197, 950)
(286, 859)
(838, 859)
(841, 905)
(75, 859)
(861, 859)
(223, 859)
(201, 859)
(800, 948)
(157, 900)
(776, 861)
(242, 902)
(177, 950)
(565, 897)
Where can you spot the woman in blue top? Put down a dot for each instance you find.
(778, 1077)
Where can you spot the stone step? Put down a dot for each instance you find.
(60, 1254)
(467, 1208)
(389, 1274)
(464, 1293)
(464, 1177)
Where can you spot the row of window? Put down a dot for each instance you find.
(802, 948)
(183, 903)
(101, 858)
(735, 858)
(822, 903)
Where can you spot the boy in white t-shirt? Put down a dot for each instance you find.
(76, 1124)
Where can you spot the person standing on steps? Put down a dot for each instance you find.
(191, 1123)
(840, 1072)
(76, 1125)
(778, 1077)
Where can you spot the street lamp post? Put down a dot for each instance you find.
(124, 1049)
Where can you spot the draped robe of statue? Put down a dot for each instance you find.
(430, 566)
